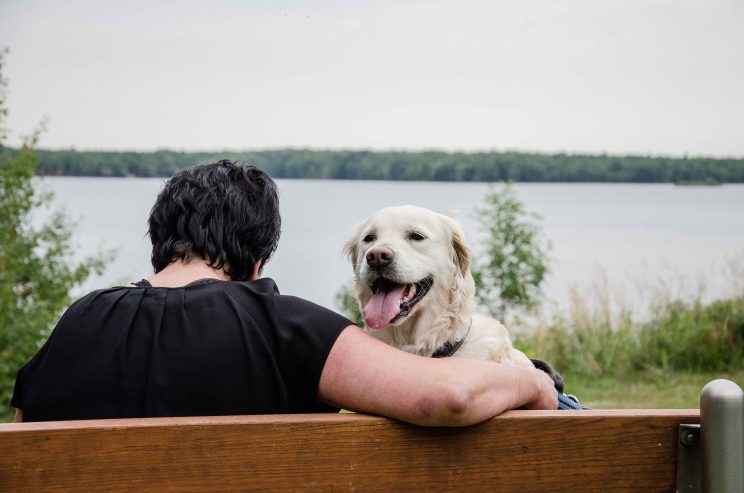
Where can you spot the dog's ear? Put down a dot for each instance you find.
(460, 248)
(351, 248)
(463, 285)
(453, 214)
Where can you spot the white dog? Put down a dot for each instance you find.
(413, 283)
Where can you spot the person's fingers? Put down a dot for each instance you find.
(547, 397)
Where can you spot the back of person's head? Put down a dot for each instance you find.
(224, 213)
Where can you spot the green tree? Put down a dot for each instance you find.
(514, 260)
(35, 261)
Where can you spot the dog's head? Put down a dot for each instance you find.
(409, 260)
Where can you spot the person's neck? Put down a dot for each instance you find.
(180, 273)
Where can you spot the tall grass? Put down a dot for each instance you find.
(595, 338)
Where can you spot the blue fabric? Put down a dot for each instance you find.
(566, 403)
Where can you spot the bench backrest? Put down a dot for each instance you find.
(633, 450)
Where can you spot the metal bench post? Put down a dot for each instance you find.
(722, 437)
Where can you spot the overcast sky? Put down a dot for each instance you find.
(618, 76)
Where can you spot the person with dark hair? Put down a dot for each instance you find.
(225, 213)
(206, 336)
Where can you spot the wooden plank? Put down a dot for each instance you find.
(522, 451)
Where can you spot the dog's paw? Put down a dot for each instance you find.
(545, 366)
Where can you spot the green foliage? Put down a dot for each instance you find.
(509, 273)
(680, 337)
(407, 166)
(37, 272)
(347, 303)
(696, 337)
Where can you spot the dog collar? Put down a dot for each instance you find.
(450, 348)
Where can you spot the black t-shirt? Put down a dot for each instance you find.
(208, 348)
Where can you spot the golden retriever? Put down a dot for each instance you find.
(413, 283)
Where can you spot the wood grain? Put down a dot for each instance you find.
(521, 451)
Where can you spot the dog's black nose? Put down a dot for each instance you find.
(380, 257)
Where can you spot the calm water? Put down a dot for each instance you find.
(634, 236)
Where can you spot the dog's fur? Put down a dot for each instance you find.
(428, 249)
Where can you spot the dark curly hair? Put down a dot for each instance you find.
(223, 212)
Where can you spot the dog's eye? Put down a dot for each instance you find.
(416, 237)
(369, 238)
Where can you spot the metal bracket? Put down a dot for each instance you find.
(710, 456)
(688, 459)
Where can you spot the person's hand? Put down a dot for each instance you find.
(547, 397)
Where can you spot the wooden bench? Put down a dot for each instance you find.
(517, 451)
(524, 451)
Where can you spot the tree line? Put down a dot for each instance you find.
(411, 166)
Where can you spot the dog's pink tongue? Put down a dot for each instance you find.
(383, 307)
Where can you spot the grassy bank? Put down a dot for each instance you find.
(646, 390)
(692, 337)
(611, 357)
(680, 337)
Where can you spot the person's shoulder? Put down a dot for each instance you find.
(87, 310)
(95, 294)
(260, 287)
(266, 288)
(100, 296)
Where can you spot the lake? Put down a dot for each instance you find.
(632, 238)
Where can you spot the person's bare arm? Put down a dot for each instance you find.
(18, 416)
(363, 374)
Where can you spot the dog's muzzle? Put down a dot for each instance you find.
(391, 301)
